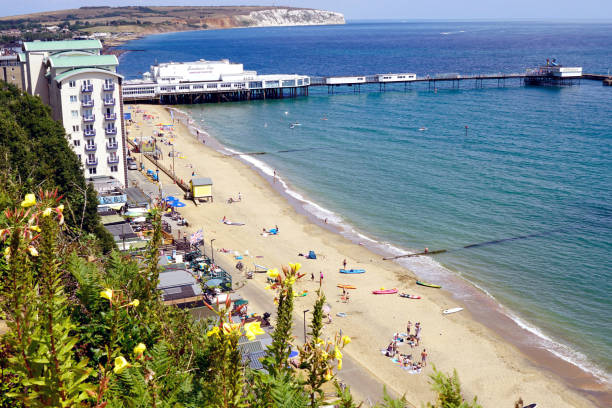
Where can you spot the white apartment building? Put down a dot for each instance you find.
(83, 89)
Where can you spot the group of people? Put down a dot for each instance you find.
(405, 360)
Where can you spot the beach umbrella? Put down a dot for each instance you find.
(214, 282)
(170, 198)
(178, 204)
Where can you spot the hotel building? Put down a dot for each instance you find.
(83, 89)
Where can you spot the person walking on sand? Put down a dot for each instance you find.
(344, 263)
(417, 330)
(424, 357)
(312, 276)
(408, 326)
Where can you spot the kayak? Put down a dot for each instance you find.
(346, 286)
(352, 270)
(384, 291)
(406, 295)
(453, 310)
(429, 285)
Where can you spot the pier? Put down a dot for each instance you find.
(221, 81)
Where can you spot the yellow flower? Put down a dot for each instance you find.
(328, 375)
(47, 212)
(230, 328)
(35, 228)
(339, 364)
(60, 207)
(30, 200)
(268, 287)
(273, 273)
(337, 353)
(213, 331)
(7, 252)
(295, 266)
(345, 340)
(139, 349)
(120, 365)
(253, 329)
(134, 303)
(32, 251)
(291, 280)
(324, 355)
(107, 294)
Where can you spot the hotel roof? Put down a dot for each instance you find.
(79, 61)
(62, 45)
(72, 72)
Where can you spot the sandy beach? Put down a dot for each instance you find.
(488, 366)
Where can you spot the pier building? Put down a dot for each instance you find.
(210, 81)
(553, 74)
(83, 89)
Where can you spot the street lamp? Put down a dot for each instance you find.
(305, 311)
(212, 251)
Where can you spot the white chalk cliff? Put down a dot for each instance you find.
(289, 17)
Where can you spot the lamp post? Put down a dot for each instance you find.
(212, 251)
(305, 311)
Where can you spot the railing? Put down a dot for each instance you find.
(89, 132)
(91, 147)
(87, 103)
(90, 118)
(109, 87)
(110, 116)
(87, 88)
(113, 160)
(91, 162)
(112, 145)
(110, 131)
(109, 102)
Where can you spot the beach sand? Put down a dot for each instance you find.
(488, 367)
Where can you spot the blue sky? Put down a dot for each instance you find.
(372, 9)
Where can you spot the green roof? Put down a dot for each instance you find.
(22, 57)
(62, 45)
(77, 61)
(72, 72)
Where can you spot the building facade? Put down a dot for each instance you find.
(83, 89)
(11, 70)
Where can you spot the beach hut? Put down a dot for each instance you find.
(201, 188)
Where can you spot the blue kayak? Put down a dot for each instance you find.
(352, 270)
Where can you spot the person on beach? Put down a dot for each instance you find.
(312, 276)
(275, 175)
(344, 263)
(239, 196)
(408, 327)
(424, 357)
(321, 277)
(417, 330)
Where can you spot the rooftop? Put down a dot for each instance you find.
(72, 72)
(62, 45)
(77, 61)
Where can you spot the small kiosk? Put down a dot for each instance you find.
(201, 189)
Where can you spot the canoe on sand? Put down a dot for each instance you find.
(384, 291)
(429, 285)
(352, 270)
(346, 286)
(406, 295)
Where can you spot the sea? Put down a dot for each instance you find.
(514, 182)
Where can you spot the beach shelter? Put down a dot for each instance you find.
(201, 188)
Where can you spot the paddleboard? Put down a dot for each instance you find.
(384, 291)
(346, 286)
(406, 295)
(429, 285)
(453, 310)
(352, 270)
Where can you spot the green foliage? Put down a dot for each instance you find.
(448, 389)
(317, 364)
(390, 402)
(345, 398)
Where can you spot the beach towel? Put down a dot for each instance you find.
(273, 231)
(311, 255)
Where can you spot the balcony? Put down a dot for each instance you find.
(91, 147)
(91, 162)
(87, 88)
(112, 145)
(109, 102)
(89, 118)
(89, 132)
(113, 160)
(87, 103)
(110, 116)
(110, 131)
(108, 87)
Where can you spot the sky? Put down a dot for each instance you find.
(370, 9)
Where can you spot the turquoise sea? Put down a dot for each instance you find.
(533, 171)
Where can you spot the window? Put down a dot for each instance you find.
(72, 84)
(73, 98)
(76, 142)
(111, 140)
(79, 157)
(113, 168)
(92, 170)
(75, 128)
(75, 113)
